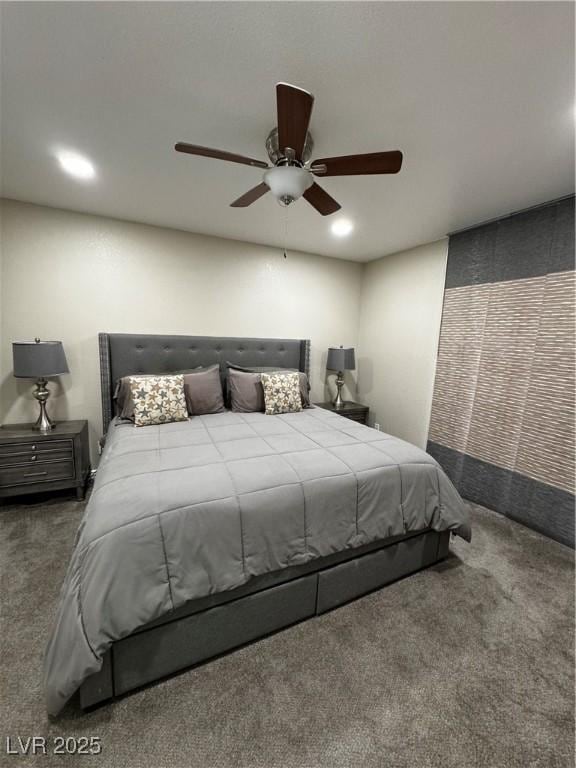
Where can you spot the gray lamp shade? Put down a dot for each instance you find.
(38, 359)
(340, 359)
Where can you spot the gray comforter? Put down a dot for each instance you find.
(184, 510)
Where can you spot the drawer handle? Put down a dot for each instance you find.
(36, 474)
(33, 458)
(33, 447)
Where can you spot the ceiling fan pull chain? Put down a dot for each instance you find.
(285, 229)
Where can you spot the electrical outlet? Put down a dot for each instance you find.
(377, 426)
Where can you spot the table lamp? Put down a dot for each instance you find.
(39, 360)
(340, 359)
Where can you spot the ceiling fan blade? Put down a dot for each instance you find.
(251, 196)
(194, 149)
(321, 200)
(294, 109)
(359, 165)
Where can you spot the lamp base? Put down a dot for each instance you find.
(43, 424)
(338, 402)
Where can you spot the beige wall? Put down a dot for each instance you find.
(68, 276)
(401, 309)
(2, 370)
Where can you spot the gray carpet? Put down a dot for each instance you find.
(469, 663)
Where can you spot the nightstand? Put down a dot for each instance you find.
(350, 410)
(31, 462)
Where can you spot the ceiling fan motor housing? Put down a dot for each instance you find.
(277, 155)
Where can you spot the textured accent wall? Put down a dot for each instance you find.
(502, 422)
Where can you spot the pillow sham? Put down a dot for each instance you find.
(303, 379)
(203, 391)
(281, 393)
(245, 393)
(158, 399)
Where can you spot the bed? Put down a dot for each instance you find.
(203, 535)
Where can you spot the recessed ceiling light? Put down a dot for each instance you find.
(342, 227)
(76, 165)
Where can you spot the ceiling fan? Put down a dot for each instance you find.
(289, 147)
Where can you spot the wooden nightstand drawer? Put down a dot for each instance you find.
(25, 449)
(360, 417)
(42, 472)
(353, 411)
(33, 458)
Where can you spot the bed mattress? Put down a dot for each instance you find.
(185, 510)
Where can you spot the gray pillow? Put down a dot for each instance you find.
(203, 390)
(245, 391)
(304, 383)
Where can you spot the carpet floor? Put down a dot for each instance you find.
(469, 663)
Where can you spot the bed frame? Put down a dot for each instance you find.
(208, 627)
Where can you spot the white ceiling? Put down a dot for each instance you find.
(478, 96)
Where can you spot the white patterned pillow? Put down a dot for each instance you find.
(281, 392)
(158, 399)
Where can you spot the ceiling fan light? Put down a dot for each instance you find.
(288, 183)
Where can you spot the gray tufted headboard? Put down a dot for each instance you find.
(124, 354)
